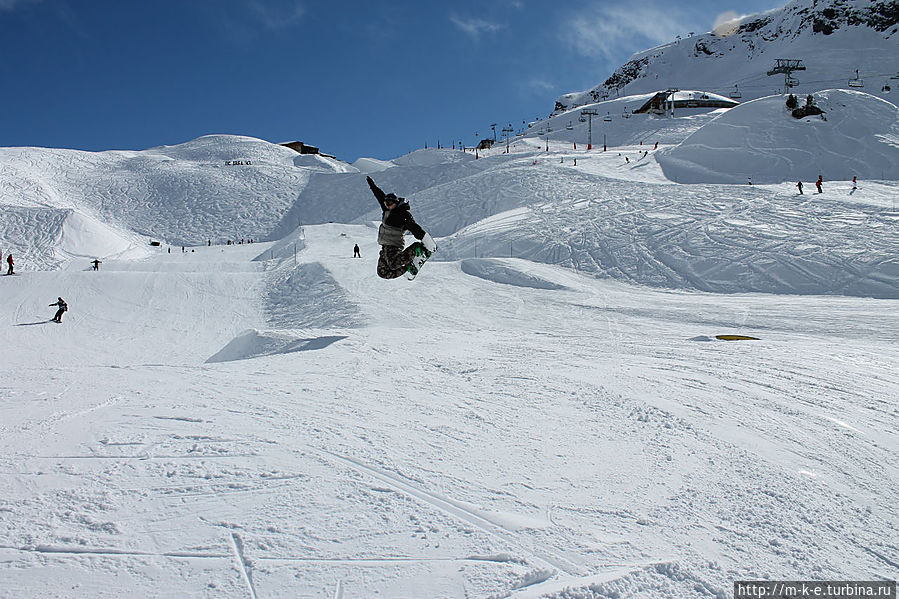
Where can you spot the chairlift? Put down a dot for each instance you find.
(582, 119)
(856, 82)
(791, 82)
(569, 126)
(626, 114)
(607, 118)
(736, 95)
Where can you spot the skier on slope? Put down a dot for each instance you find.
(395, 221)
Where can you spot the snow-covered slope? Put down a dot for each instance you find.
(216, 187)
(611, 214)
(858, 135)
(243, 421)
(832, 38)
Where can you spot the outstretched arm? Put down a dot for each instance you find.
(380, 195)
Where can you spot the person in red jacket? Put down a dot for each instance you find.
(10, 262)
(396, 219)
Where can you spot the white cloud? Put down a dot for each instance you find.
(11, 5)
(277, 15)
(474, 27)
(608, 29)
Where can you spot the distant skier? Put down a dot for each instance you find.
(396, 219)
(96, 264)
(63, 306)
(819, 182)
(799, 185)
(10, 262)
(356, 252)
(854, 185)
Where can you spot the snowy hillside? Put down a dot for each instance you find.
(184, 194)
(243, 421)
(613, 214)
(832, 38)
(550, 410)
(857, 135)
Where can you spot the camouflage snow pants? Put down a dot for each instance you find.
(393, 261)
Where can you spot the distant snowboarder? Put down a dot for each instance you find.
(63, 306)
(9, 261)
(96, 264)
(799, 185)
(356, 252)
(395, 259)
(819, 182)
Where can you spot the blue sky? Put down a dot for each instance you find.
(356, 78)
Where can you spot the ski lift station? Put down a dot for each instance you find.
(664, 101)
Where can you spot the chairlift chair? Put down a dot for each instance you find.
(569, 126)
(856, 82)
(607, 118)
(736, 95)
(582, 119)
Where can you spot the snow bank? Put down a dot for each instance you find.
(857, 136)
(500, 271)
(254, 344)
(372, 165)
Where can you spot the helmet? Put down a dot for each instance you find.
(391, 197)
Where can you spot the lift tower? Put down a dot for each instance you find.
(786, 66)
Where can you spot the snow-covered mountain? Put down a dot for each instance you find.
(832, 38)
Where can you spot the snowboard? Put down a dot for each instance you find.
(419, 256)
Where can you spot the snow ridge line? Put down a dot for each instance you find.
(458, 511)
(99, 551)
(243, 564)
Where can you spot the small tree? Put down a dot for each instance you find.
(809, 100)
(792, 102)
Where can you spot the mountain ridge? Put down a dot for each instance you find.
(831, 34)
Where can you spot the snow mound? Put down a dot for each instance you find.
(317, 162)
(502, 271)
(372, 165)
(221, 148)
(432, 158)
(253, 344)
(857, 136)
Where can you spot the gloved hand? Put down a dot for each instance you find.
(429, 243)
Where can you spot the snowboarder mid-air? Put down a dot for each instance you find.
(63, 306)
(396, 219)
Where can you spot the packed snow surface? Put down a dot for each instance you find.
(544, 412)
